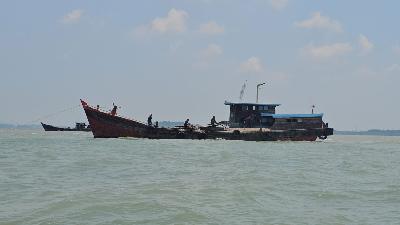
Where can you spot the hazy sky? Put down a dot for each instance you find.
(183, 59)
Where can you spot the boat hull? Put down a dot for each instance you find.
(105, 125)
(48, 127)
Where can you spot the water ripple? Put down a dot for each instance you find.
(71, 178)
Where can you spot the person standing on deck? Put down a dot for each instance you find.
(114, 110)
(149, 122)
(213, 122)
(186, 124)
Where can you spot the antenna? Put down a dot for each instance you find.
(312, 109)
(242, 91)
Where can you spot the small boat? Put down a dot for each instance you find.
(247, 121)
(78, 127)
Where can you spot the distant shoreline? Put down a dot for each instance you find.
(20, 126)
(373, 132)
(38, 126)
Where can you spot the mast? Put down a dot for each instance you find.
(258, 86)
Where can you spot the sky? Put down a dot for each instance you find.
(182, 59)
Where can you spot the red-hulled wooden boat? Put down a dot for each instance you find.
(248, 121)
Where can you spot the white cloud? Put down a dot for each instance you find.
(396, 49)
(207, 55)
(253, 64)
(365, 44)
(212, 50)
(211, 28)
(327, 51)
(394, 68)
(317, 21)
(174, 22)
(278, 4)
(73, 16)
(141, 31)
(365, 72)
(175, 46)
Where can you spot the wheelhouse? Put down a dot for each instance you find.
(254, 115)
(249, 114)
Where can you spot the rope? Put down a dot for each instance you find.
(55, 113)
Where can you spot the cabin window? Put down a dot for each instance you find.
(291, 120)
(267, 121)
(253, 107)
(263, 107)
(245, 107)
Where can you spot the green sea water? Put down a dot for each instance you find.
(72, 178)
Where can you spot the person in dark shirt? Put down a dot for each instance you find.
(213, 122)
(186, 124)
(149, 122)
(114, 110)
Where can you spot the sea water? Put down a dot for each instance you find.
(72, 178)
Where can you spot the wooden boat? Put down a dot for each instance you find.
(248, 121)
(78, 127)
